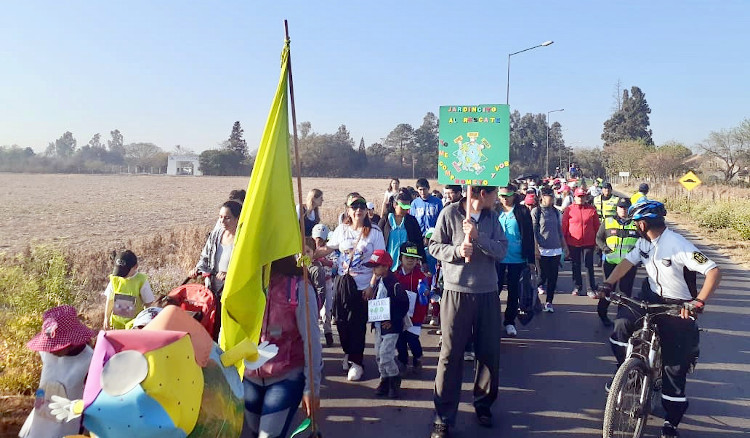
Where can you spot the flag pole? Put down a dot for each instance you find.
(467, 239)
(313, 397)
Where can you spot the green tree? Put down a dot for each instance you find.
(400, 140)
(63, 147)
(362, 154)
(627, 156)
(631, 121)
(144, 155)
(426, 143)
(731, 147)
(116, 144)
(223, 162)
(590, 161)
(667, 161)
(236, 143)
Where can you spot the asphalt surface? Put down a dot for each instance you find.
(553, 374)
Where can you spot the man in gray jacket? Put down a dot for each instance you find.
(470, 304)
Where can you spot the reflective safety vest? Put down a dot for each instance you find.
(621, 239)
(125, 300)
(637, 197)
(606, 207)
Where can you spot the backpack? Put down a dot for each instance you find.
(199, 301)
(528, 299)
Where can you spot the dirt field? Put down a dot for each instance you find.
(107, 211)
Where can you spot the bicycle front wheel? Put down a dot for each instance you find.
(628, 402)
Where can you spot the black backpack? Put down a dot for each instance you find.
(528, 299)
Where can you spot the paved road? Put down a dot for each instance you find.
(553, 374)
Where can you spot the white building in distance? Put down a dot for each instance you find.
(183, 165)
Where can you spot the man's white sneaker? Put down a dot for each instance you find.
(345, 362)
(575, 292)
(548, 308)
(355, 372)
(510, 330)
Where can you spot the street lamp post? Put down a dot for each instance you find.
(507, 84)
(547, 160)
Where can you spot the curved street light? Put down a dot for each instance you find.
(548, 126)
(507, 84)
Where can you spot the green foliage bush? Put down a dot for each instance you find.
(734, 215)
(31, 283)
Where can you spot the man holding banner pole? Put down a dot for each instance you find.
(468, 244)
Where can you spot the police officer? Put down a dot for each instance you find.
(616, 238)
(606, 206)
(671, 262)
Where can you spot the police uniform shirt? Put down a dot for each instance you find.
(664, 259)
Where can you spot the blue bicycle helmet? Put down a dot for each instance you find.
(647, 209)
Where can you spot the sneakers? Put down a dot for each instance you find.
(575, 292)
(548, 308)
(469, 356)
(435, 322)
(383, 386)
(345, 362)
(439, 431)
(510, 330)
(541, 290)
(591, 294)
(669, 431)
(355, 372)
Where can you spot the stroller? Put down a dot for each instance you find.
(199, 301)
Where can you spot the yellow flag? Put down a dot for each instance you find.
(268, 228)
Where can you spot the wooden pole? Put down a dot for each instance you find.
(310, 364)
(467, 238)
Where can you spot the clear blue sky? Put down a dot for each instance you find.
(181, 72)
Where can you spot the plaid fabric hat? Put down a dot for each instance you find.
(61, 328)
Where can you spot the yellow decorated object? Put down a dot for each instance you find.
(176, 381)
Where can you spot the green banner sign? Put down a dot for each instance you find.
(474, 145)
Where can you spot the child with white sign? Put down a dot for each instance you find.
(128, 292)
(387, 312)
(416, 284)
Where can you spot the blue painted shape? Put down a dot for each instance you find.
(135, 414)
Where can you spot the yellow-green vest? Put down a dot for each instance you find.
(621, 239)
(637, 197)
(129, 287)
(606, 207)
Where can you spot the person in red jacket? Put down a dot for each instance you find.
(580, 222)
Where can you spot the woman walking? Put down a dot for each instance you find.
(356, 239)
(311, 210)
(399, 227)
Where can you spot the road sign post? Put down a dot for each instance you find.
(690, 181)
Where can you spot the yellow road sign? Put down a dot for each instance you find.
(690, 181)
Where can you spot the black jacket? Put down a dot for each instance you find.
(399, 305)
(413, 232)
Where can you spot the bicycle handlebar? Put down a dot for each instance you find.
(619, 298)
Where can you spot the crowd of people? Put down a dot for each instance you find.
(433, 258)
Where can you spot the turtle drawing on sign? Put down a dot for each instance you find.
(469, 155)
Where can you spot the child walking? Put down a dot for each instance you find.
(128, 292)
(385, 285)
(66, 356)
(415, 283)
(329, 262)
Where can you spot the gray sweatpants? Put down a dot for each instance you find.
(461, 314)
(385, 353)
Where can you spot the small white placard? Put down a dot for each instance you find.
(412, 302)
(626, 174)
(379, 310)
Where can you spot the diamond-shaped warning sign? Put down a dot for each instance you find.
(690, 181)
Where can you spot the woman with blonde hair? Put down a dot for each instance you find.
(311, 210)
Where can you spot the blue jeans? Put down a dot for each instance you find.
(269, 409)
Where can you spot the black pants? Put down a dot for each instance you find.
(408, 341)
(679, 350)
(587, 254)
(625, 284)
(549, 268)
(352, 329)
(509, 274)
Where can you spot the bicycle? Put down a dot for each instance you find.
(639, 376)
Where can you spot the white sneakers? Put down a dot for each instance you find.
(540, 290)
(355, 372)
(510, 330)
(548, 308)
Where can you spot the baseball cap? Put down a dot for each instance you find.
(547, 192)
(607, 186)
(624, 203)
(529, 199)
(643, 188)
(409, 249)
(124, 262)
(370, 205)
(320, 230)
(379, 257)
(356, 200)
(579, 192)
(403, 200)
(564, 187)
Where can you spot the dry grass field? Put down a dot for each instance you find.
(105, 212)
